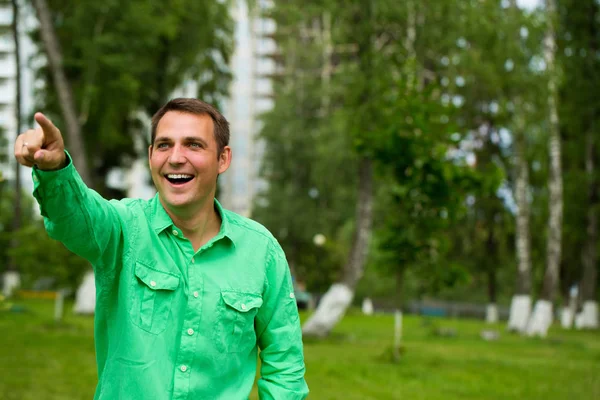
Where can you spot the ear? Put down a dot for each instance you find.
(224, 159)
(149, 155)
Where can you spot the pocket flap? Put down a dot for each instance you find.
(154, 279)
(242, 302)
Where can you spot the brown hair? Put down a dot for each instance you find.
(197, 107)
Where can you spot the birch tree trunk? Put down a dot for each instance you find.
(520, 307)
(491, 311)
(338, 298)
(397, 345)
(63, 88)
(354, 268)
(542, 316)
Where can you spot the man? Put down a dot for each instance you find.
(186, 290)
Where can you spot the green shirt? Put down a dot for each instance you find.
(172, 323)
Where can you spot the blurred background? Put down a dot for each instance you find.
(430, 167)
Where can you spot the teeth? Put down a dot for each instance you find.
(179, 176)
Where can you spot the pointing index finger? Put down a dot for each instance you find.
(51, 132)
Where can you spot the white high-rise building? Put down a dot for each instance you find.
(7, 80)
(249, 96)
(8, 85)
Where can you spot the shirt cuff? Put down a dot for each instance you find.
(45, 177)
(48, 184)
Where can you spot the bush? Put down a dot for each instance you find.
(38, 256)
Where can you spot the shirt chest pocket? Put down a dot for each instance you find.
(234, 330)
(151, 297)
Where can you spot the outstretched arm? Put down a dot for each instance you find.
(73, 214)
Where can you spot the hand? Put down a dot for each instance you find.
(43, 146)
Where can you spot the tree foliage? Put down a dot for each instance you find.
(578, 40)
(373, 104)
(448, 88)
(305, 158)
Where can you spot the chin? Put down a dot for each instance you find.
(176, 202)
(179, 203)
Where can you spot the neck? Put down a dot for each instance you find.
(199, 224)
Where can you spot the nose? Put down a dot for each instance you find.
(177, 155)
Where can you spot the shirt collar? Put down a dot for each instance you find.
(225, 231)
(161, 220)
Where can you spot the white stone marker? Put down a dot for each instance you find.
(367, 306)
(85, 299)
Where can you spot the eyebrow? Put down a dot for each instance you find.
(194, 139)
(187, 139)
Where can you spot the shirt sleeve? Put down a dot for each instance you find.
(80, 218)
(280, 336)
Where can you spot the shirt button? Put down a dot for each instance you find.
(193, 260)
(152, 283)
(190, 331)
(195, 294)
(243, 306)
(291, 295)
(175, 232)
(183, 368)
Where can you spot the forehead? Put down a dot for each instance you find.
(176, 124)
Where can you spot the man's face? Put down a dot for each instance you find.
(183, 160)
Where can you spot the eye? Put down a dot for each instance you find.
(162, 145)
(195, 145)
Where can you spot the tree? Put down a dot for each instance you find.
(361, 100)
(63, 88)
(339, 296)
(317, 80)
(486, 86)
(381, 99)
(40, 257)
(427, 185)
(578, 39)
(590, 253)
(520, 308)
(542, 314)
(305, 154)
(8, 236)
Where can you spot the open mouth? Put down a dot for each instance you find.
(179, 179)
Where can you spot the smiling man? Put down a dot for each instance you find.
(187, 292)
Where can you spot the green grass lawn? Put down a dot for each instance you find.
(42, 361)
